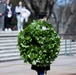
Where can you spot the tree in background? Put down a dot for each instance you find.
(37, 6)
(62, 17)
(65, 17)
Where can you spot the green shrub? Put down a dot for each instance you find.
(38, 43)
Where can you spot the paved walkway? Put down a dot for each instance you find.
(63, 65)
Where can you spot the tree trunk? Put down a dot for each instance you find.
(37, 6)
(65, 15)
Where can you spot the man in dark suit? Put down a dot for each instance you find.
(41, 70)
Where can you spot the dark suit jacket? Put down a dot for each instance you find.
(40, 68)
(6, 10)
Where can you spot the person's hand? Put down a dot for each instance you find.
(9, 12)
(0, 14)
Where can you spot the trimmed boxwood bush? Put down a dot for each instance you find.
(39, 43)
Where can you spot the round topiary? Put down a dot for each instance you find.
(39, 43)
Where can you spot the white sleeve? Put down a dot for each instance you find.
(16, 9)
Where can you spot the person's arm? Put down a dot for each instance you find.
(3, 10)
(17, 11)
(0, 14)
(12, 9)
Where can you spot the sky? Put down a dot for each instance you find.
(62, 2)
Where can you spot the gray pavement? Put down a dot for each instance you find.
(63, 65)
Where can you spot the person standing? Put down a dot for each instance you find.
(2, 9)
(41, 70)
(9, 11)
(21, 14)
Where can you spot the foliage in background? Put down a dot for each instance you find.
(39, 43)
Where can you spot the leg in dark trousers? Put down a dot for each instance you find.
(40, 72)
(7, 22)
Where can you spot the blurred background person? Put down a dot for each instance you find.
(21, 14)
(2, 9)
(9, 11)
